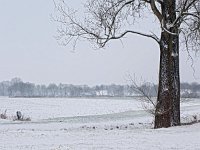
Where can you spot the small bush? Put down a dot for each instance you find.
(14, 118)
(22, 118)
(4, 115)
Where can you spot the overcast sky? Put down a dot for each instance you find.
(29, 50)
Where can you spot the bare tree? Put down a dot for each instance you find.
(146, 93)
(106, 20)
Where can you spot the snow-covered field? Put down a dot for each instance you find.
(70, 124)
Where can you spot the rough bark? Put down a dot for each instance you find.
(163, 113)
(168, 101)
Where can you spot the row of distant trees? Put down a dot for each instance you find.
(17, 88)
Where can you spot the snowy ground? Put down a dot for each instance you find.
(70, 124)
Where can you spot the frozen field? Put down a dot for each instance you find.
(70, 124)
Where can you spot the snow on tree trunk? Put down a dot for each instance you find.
(168, 101)
(162, 114)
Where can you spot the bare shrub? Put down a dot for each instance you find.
(4, 115)
(146, 93)
(20, 117)
(15, 117)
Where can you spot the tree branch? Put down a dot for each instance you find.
(155, 10)
(139, 33)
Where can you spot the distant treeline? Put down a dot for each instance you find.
(17, 88)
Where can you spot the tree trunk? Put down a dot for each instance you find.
(168, 101)
(164, 99)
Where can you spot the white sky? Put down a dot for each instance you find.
(28, 50)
